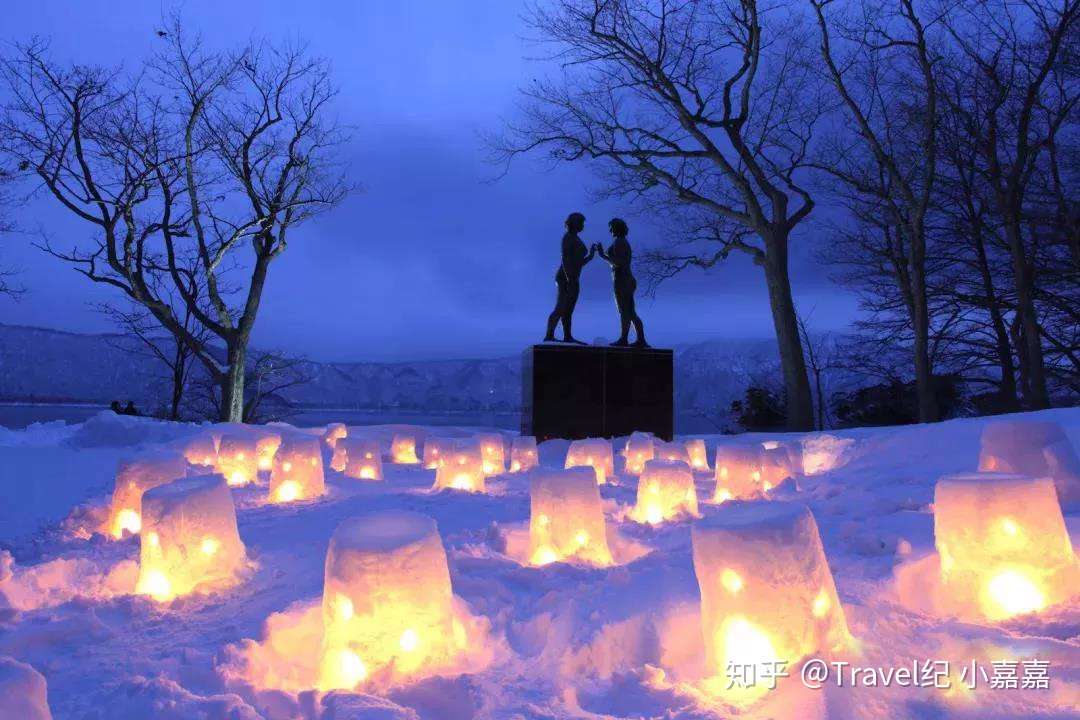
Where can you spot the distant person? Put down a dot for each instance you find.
(130, 409)
(115, 407)
(568, 279)
(619, 256)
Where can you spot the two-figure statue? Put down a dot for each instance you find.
(568, 280)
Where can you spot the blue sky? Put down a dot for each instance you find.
(432, 259)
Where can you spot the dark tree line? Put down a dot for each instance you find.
(944, 135)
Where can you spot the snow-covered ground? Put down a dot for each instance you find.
(558, 641)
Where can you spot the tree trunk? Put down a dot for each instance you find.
(1010, 401)
(1036, 396)
(800, 406)
(924, 374)
(820, 400)
(232, 385)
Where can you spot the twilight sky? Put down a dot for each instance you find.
(432, 259)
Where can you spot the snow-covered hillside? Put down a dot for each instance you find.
(557, 641)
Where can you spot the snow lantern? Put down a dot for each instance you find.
(387, 600)
(738, 472)
(23, 691)
(333, 433)
(665, 490)
(1002, 543)
(338, 458)
(189, 537)
(671, 451)
(1036, 449)
(201, 449)
(566, 518)
(767, 594)
(595, 453)
(298, 470)
(462, 469)
(699, 456)
(266, 447)
(403, 450)
(363, 460)
(133, 478)
(493, 448)
(435, 449)
(238, 459)
(523, 454)
(640, 448)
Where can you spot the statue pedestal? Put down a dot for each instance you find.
(578, 391)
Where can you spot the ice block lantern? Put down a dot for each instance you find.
(133, 478)
(298, 470)
(665, 490)
(699, 456)
(566, 518)
(435, 449)
(333, 433)
(189, 537)
(523, 454)
(201, 449)
(672, 451)
(403, 449)
(767, 594)
(595, 453)
(386, 599)
(640, 448)
(462, 469)
(1002, 544)
(363, 460)
(1036, 449)
(775, 467)
(738, 472)
(493, 448)
(238, 459)
(266, 447)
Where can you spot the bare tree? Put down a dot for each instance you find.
(193, 173)
(1014, 56)
(881, 64)
(700, 108)
(269, 376)
(8, 274)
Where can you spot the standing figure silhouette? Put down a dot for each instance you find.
(568, 279)
(619, 255)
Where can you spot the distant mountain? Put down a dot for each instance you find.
(43, 365)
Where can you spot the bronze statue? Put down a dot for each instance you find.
(568, 279)
(618, 255)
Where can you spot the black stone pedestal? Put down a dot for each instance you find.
(579, 391)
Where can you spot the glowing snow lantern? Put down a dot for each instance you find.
(595, 453)
(1036, 449)
(387, 600)
(133, 478)
(665, 490)
(333, 433)
(201, 450)
(363, 460)
(640, 448)
(738, 472)
(238, 459)
(435, 449)
(189, 537)
(767, 594)
(699, 456)
(462, 469)
(672, 452)
(298, 470)
(566, 518)
(493, 448)
(523, 454)
(265, 448)
(403, 450)
(1002, 543)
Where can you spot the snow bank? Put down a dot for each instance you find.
(22, 692)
